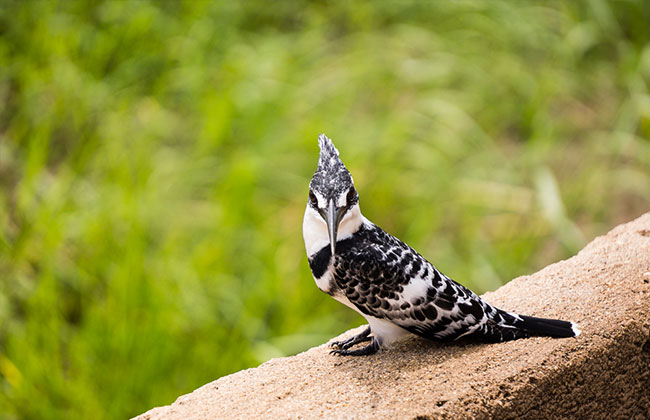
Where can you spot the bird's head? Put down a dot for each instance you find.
(331, 190)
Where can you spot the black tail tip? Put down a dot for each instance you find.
(549, 327)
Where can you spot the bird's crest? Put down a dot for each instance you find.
(331, 177)
(329, 156)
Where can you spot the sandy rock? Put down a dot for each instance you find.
(604, 373)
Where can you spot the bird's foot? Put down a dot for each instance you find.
(359, 338)
(371, 348)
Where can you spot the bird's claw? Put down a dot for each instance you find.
(349, 342)
(372, 348)
(340, 344)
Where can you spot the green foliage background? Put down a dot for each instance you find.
(155, 156)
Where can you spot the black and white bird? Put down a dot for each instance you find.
(396, 289)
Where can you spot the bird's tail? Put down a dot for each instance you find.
(548, 327)
(507, 326)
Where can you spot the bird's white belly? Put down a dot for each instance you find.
(385, 331)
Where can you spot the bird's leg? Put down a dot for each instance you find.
(371, 348)
(359, 338)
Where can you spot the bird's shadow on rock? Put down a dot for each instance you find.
(412, 355)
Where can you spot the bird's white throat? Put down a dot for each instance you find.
(314, 228)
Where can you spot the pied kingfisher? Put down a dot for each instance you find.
(389, 283)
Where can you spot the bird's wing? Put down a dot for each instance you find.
(385, 278)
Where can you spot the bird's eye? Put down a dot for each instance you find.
(351, 195)
(312, 198)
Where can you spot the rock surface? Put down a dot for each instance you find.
(604, 373)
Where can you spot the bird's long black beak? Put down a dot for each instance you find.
(333, 217)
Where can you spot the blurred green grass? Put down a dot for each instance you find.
(155, 156)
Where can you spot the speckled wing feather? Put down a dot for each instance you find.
(385, 278)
